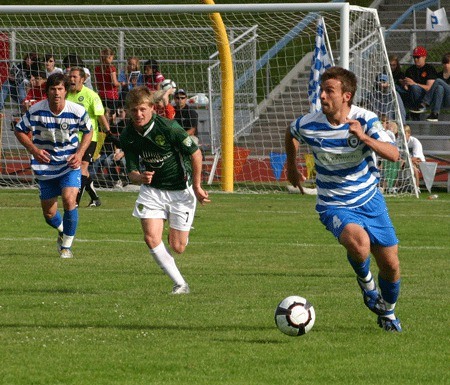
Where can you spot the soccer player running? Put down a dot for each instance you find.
(345, 140)
(90, 100)
(56, 155)
(169, 176)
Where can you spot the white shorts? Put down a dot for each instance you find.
(178, 207)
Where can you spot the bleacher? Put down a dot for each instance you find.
(434, 136)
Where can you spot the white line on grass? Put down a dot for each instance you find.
(246, 242)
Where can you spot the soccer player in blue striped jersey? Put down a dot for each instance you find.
(346, 141)
(49, 131)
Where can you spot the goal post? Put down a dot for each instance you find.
(271, 47)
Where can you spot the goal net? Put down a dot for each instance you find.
(271, 48)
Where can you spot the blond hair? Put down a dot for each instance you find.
(139, 95)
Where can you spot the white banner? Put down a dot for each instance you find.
(428, 170)
(437, 21)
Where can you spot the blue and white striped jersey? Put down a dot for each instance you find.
(57, 134)
(347, 173)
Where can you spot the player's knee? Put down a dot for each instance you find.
(177, 246)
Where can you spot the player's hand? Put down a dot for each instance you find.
(74, 161)
(202, 195)
(42, 156)
(354, 127)
(295, 177)
(147, 176)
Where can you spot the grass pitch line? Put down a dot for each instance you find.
(140, 241)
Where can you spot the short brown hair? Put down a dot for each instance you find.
(346, 77)
(139, 95)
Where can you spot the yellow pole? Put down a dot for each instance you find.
(227, 78)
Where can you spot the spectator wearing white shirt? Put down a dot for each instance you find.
(50, 66)
(415, 151)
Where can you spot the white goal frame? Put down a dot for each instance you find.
(225, 150)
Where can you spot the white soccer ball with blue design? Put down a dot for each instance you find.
(295, 316)
(167, 84)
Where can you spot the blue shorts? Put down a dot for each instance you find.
(51, 188)
(376, 223)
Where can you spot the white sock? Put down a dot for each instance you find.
(167, 263)
(368, 282)
(67, 241)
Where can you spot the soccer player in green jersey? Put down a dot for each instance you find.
(79, 93)
(162, 158)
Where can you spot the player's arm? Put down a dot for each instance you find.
(291, 146)
(74, 160)
(139, 178)
(196, 161)
(384, 149)
(104, 124)
(40, 155)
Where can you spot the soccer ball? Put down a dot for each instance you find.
(167, 84)
(295, 316)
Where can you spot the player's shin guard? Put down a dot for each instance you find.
(362, 270)
(56, 222)
(390, 292)
(82, 188)
(90, 188)
(70, 222)
(167, 263)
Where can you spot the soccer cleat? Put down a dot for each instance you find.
(59, 242)
(372, 299)
(181, 289)
(390, 325)
(95, 203)
(65, 253)
(433, 117)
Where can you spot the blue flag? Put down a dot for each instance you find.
(277, 162)
(320, 62)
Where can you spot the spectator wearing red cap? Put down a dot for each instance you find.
(418, 80)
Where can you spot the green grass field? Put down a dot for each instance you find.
(106, 316)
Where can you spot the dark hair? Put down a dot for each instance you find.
(72, 60)
(80, 70)
(33, 56)
(153, 64)
(56, 80)
(37, 71)
(446, 58)
(48, 56)
(346, 77)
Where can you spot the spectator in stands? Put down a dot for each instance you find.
(106, 80)
(415, 151)
(152, 76)
(110, 157)
(389, 170)
(130, 77)
(37, 91)
(90, 100)
(50, 65)
(185, 115)
(396, 70)
(19, 78)
(417, 82)
(381, 100)
(74, 60)
(438, 96)
(162, 104)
